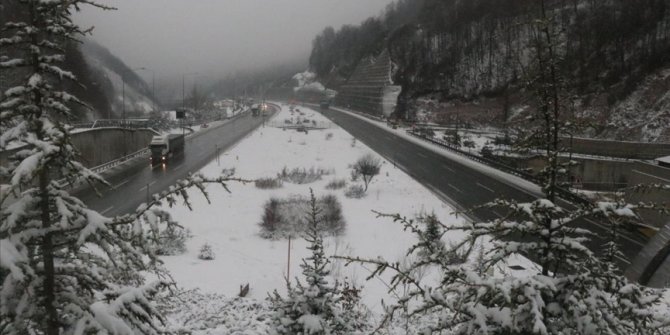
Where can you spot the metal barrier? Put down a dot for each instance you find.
(111, 164)
(561, 192)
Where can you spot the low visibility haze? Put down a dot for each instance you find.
(218, 36)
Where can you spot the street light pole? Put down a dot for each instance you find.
(153, 88)
(123, 100)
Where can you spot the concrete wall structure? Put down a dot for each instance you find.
(622, 149)
(101, 145)
(366, 89)
(651, 266)
(648, 174)
(611, 175)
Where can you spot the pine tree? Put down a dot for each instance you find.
(65, 268)
(572, 290)
(316, 306)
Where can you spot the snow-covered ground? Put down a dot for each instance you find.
(478, 139)
(230, 223)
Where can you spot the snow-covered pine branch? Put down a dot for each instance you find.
(571, 290)
(316, 306)
(64, 267)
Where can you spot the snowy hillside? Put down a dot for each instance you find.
(111, 72)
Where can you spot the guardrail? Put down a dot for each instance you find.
(139, 153)
(111, 164)
(561, 192)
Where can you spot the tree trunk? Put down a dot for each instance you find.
(48, 286)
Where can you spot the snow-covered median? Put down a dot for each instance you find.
(231, 223)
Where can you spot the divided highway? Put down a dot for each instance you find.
(459, 184)
(133, 185)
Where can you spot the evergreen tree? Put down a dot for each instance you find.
(572, 290)
(317, 306)
(64, 268)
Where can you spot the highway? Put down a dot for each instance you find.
(460, 185)
(133, 184)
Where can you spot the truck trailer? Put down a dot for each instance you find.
(164, 147)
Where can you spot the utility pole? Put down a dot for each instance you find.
(123, 90)
(153, 89)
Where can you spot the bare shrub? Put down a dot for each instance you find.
(206, 253)
(286, 217)
(268, 183)
(302, 175)
(336, 184)
(270, 220)
(368, 166)
(355, 191)
(172, 241)
(331, 215)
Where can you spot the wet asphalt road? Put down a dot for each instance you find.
(133, 183)
(463, 186)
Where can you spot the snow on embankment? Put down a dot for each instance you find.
(307, 83)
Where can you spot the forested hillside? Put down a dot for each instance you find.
(614, 59)
(96, 68)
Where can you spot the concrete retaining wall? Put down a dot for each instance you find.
(611, 175)
(364, 91)
(648, 174)
(102, 145)
(99, 146)
(622, 149)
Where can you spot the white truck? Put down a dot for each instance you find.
(164, 147)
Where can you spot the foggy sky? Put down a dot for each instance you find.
(217, 37)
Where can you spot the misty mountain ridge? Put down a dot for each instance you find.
(467, 60)
(108, 72)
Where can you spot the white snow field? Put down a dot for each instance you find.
(231, 223)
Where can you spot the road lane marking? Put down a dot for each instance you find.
(455, 188)
(486, 188)
(496, 213)
(620, 235)
(622, 259)
(650, 175)
(422, 155)
(145, 186)
(107, 210)
(447, 167)
(121, 183)
(178, 166)
(455, 205)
